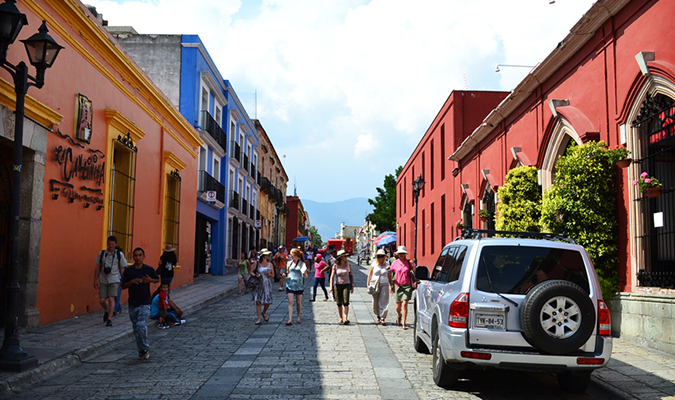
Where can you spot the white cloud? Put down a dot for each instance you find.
(337, 77)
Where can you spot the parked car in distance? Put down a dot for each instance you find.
(530, 301)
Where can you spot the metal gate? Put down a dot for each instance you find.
(656, 127)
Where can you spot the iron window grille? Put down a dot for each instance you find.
(172, 210)
(656, 130)
(122, 191)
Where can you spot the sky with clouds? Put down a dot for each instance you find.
(346, 88)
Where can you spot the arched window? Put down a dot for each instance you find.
(562, 137)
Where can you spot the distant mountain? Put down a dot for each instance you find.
(327, 217)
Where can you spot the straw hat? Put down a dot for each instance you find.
(380, 252)
(341, 253)
(169, 248)
(401, 250)
(265, 252)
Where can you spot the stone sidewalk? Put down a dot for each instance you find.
(634, 372)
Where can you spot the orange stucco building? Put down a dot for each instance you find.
(105, 152)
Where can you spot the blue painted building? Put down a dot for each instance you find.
(229, 181)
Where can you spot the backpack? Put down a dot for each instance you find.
(117, 253)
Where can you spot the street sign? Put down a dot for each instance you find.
(211, 196)
(258, 223)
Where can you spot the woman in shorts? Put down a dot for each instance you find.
(243, 266)
(296, 272)
(341, 283)
(403, 277)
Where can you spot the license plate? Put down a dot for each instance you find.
(490, 321)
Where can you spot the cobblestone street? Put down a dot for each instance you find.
(220, 353)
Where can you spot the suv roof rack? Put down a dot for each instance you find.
(478, 234)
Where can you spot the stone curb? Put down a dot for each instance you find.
(613, 390)
(23, 379)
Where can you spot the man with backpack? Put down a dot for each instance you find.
(110, 265)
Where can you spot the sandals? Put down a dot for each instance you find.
(405, 328)
(384, 323)
(258, 322)
(289, 323)
(311, 299)
(265, 317)
(346, 322)
(398, 321)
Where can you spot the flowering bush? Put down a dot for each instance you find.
(646, 181)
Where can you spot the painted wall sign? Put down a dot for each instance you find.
(86, 169)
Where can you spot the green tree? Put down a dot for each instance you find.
(316, 238)
(519, 204)
(384, 211)
(582, 203)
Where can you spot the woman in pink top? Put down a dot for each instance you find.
(403, 270)
(319, 277)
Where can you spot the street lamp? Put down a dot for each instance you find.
(418, 185)
(42, 51)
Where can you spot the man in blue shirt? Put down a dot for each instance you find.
(138, 279)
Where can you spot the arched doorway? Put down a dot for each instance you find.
(467, 214)
(562, 137)
(654, 129)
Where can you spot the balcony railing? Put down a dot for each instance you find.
(211, 126)
(257, 215)
(244, 207)
(251, 211)
(235, 200)
(208, 183)
(246, 165)
(258, 178)
(252, 171)
(266, 185)
(235, 151)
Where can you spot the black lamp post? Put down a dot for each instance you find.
(418, 185)
(42, 51)
(277, 206)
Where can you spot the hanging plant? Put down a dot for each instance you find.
(483, 215)
(649, 185)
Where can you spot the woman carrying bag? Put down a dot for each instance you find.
(379, 282)
(296, 272)
(404, 280)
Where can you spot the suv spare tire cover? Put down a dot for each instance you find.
(557, 316)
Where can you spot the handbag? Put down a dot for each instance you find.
(374, 287)
(413, 278)
(252, 283)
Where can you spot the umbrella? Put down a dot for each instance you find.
(381, 235)
(385, 240)
(301, 239)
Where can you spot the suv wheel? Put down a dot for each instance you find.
(557, 317)
(444, 376)
(574, 382)
(418, 343)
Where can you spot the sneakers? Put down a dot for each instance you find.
(105, 316)
(162, 326)
(108, 323)
(144, 355)
(181, 322)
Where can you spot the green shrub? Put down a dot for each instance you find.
(582, 204)
(519, 204)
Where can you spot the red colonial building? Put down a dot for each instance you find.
(612, 79)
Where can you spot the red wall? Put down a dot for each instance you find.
(601, 81)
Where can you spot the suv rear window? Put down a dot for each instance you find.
(514, 270)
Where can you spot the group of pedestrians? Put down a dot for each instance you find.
(395, 279)
(112, 275)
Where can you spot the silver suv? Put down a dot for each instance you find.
(513, 303)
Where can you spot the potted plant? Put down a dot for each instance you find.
(483, 215)
(459, 225)
(621, 156)
(649, 185)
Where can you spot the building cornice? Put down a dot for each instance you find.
(579, 35)
(156, 105)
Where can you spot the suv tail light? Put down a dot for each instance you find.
(459, 311)
(604, 319)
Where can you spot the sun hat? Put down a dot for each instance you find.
(169, 248)
(380, 252)
(401, 250)
(341, 253)
(265, 252)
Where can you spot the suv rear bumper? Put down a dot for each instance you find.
(453, 342)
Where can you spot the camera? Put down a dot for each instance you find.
(107, 270)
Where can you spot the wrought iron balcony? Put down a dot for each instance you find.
(211, 126)
(244, 207)
(235, 151)
(266, 185)
(246, 165)
(208, 183)
(251, 212)
(235, 200)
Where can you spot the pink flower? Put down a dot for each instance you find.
(647, 180)
(644, 175)
(635, 182)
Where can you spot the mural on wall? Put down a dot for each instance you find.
(87, 169)
(84, 119)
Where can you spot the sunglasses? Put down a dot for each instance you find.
(380, 256)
